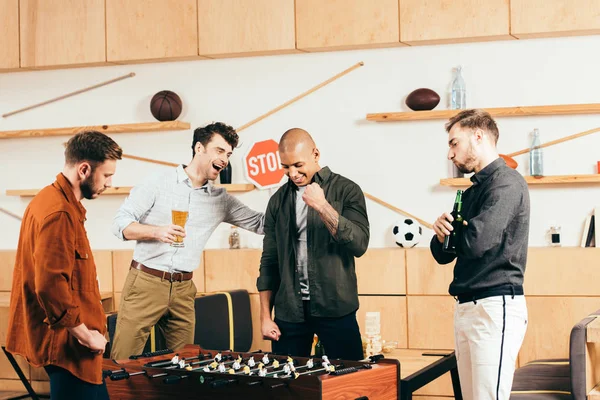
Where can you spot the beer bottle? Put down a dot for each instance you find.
(319, 350)
(449, 245)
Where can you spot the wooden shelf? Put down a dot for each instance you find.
(234, 187)
(564, 109)
(120, 128)
(546, 180)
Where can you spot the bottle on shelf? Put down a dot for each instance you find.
(536, 156)
(225, 174)
(458, 96)
(554, 234)
(234, 238)
(449, 245)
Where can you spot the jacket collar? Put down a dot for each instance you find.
(63, 184)
(488, 171)
(321, 177)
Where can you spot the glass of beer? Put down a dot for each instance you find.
(179, 216)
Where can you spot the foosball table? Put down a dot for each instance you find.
(196, 373)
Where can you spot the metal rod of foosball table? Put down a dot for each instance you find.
(168, 362)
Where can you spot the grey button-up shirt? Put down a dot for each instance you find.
(151, 202)
(492, 250)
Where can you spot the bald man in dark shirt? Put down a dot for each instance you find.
(315, 225)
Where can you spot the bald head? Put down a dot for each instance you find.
(299, 156)
(292, 138)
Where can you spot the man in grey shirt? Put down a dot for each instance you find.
(490, 319)
(159, 287)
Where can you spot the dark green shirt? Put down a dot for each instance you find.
(331, 271)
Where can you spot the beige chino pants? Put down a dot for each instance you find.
(147, 301)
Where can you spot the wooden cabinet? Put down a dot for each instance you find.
(232, 28)
(544, 18)
(9, 34)
(62, 32)
(346, 24)
(139, 30)
(451, 21)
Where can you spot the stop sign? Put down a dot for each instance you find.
(263, 165)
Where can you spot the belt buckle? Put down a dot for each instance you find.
(173, 274)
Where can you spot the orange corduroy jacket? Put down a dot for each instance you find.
(55, 285)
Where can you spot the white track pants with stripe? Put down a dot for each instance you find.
(488, 334)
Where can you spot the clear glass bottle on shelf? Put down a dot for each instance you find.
(234, 238)
(458, 99)
(536, 156)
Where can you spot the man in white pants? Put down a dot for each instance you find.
(490, 319)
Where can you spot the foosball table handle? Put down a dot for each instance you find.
(170, 379)
(119, 375)
(277, 385)
(106, 373)
(222, 382)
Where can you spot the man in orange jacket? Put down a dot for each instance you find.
(56, 316)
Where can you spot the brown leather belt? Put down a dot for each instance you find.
(171, 277)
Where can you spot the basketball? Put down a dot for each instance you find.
(165, 105)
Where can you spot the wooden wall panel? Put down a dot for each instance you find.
(258, 343)
(424, 275)
(104, 270)
(6, 369)
(381, 271)
(121, 263)
(151, 30)
(545, 18)
(7, 264)
(62, 32)
(233, 28)
(232, 269)
(346, 24)
(4, 314)
(550, 322)
(9, 34)
(431, 322)
(453, 21)
(555, 271)
(393, 316)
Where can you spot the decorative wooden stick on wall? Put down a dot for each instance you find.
(391, 207)
(64, 96)
(513, 164)
(295, 99)
(5, 211)
(265, 115)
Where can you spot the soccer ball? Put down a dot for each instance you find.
(407, 232)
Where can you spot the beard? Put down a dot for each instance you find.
(470, 162)
(88, 189)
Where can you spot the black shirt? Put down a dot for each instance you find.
(492, 250)
(331, 268)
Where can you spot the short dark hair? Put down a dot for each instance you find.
(205, 134)
(475, 119)
(93, 147)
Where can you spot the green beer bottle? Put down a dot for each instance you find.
(449, 245)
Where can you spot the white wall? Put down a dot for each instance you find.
(398, 162)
